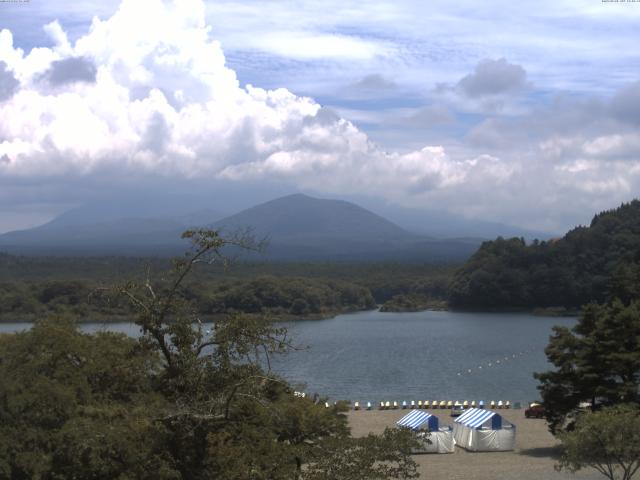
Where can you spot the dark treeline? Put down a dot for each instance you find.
(283, 296)
(589, 264)
(34, 287)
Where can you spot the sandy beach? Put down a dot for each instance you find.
(533, 459)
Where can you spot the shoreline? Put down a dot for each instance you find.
(533, 458)
(281, 318)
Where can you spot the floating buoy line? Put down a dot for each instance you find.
(497, 362)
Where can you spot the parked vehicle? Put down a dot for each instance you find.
(535, 410)
(457, 410)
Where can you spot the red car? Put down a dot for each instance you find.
(535, 410)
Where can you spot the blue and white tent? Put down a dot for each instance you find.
(417, 420)
(481, 430)
(436, 439)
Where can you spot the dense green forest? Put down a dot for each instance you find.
(34, 287)
(589, 264)
(179, 403)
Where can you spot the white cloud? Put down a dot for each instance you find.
(307, 46)
(156, 97)
(134, 99)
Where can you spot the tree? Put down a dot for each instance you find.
(229, 417)
(74, 405)
(374, 457)
(598, 361)
(595, 263)
(607, 440)
(182, 402)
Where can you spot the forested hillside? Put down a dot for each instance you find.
(593, 263)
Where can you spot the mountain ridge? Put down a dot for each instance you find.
(300, 227)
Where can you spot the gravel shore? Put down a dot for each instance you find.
(533, 458)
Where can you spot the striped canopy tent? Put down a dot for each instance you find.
(417, 420)
(434, 439)
(481, 430)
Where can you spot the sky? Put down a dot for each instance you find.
(525, 113)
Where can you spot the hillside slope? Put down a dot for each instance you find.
(299, 219)
(300, 227)
(591, 263)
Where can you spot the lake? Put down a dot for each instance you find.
(371, 356)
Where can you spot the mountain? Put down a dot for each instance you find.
(441, 224)
(594, 263)
(298, 227)
(84, 232)
(302, 227)
(300, 219)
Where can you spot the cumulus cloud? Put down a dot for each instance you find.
(8, 83)
(493, 86)
(372, 83)
(133, 102)
(493, 77)
(69, 70)
(375, 81)
(156, 97)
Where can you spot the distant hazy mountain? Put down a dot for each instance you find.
(440, 224)
(299, 227)
(299, 218)
(302, 227)
(85, 232)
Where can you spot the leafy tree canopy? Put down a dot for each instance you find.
(597, 361)
(607, 441)
(181, 402)
(589, 264)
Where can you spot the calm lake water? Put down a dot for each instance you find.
(371, 356)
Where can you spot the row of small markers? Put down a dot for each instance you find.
(420, 404)
(435, 404)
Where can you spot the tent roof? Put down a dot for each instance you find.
(414, 419)
(475, 417)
